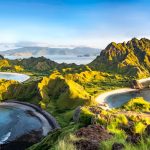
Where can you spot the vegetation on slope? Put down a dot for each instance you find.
(137, 104)
(73, 86)
(6, 66)
(128, 128)
(96, 82)
(10, 89)
(131, 58)
(40, 64)
(66, 93)
(43, 65)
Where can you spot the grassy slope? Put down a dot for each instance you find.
(61, 93)
(112, 120)
(115, 119)
(131, 58)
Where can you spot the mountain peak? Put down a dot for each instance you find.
(111, 46)
(130, 58)
(134, 39)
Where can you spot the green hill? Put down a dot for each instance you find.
(137, 104)
(1, 57)
(54, 91)
(10, 89)
(131, 58)
(36, 64)
(65, 93)
(44, 65)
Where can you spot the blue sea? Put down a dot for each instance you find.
(63, 58)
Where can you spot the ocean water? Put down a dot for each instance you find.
(13, 76)
(63, 58)
(15, 122)
(116, 100)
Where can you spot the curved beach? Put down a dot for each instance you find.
(14, 76)
(46, 126)
(102, 97)
(26, 139)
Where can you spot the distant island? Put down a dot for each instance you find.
(42, 51)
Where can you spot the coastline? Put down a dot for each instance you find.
(52, 121)
(26, 77)
(144, 80)
(100, 99)
(48, 121)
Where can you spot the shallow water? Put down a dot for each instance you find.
(15, 122)
(116, 100)
(13, 76)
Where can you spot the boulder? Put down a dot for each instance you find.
(134, 139)
(147, 130)
(76, 114)
(118, 146)
(95, 110)
(136, 85)
(94, 133)
(86, 145)
(129, 129)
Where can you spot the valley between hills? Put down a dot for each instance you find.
(69, 91)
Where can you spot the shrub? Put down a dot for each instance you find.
(139, 127)
(86, 116)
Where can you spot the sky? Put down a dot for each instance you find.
(93, 23)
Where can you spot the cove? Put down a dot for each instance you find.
(14, 76)
(23, 123)
(116, 100)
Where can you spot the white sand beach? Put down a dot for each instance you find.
(14, 76)
(144, 80)
(101, 98)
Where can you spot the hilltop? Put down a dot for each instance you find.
(131, 58)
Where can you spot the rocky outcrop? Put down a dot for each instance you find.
(147, 130)
(136, 85)
(92, 136)
(146, 83)
(94, 133)
(129, 129)
(134, 139)
(76, 114)
(86, 145)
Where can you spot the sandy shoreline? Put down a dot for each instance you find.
(24, 76)
(101, 98)
(144, 80)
